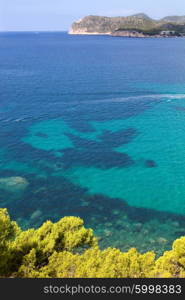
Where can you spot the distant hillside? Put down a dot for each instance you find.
(140, 23)
(174, 19)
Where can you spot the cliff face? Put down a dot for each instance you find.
(92, 24)
(106, 25)
(138, 25)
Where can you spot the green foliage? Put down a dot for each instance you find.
(23, 251)
(9, 230)
(94, 263)
(156, 30)
(67, 249)
(172, 263)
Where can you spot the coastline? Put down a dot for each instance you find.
(71, 32)
(134, 26)
(120, 34)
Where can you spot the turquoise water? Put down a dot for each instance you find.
(94, 127)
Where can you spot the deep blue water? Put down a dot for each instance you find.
(95, 126)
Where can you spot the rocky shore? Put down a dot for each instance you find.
(133, 34)
(82, 32)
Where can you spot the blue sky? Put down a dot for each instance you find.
(59, 14)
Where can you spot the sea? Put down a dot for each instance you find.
(94, 127)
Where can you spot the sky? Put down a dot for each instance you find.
(54, 15)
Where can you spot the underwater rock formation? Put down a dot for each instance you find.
(13, 184)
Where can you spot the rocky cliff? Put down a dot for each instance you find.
(107, 25)
(136, 25)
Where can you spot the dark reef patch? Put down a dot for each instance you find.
(79, 142)
(118, 138)
(57, 197)
(114, 221)
(26, 153)
(107, 140)
(100, 153)
(99, 158)
(80, 125)
(150, 164)
(179, 108)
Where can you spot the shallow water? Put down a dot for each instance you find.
(96, 126)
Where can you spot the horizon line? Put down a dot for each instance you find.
(34, 31)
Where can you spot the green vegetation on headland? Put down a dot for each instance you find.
(67, 249)
(139, 25)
